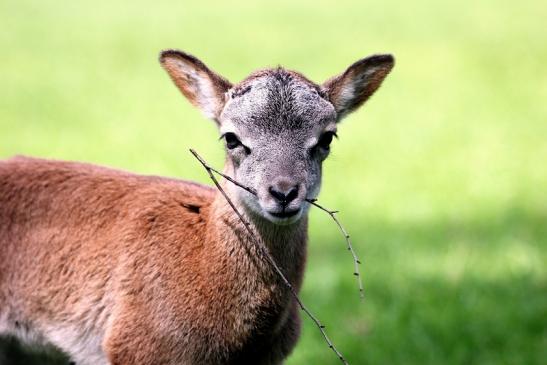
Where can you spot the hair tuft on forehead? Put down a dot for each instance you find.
(278, 74)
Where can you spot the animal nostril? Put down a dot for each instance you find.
(284, 197)
(277, 194)
(293, 193)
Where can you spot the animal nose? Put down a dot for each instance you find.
(284, 195)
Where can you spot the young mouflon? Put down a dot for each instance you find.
(117, 268)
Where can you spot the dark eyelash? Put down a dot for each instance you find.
(326, 139)
(233, 142)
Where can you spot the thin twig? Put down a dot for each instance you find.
(332, 213)
(209, 168)
(264, 251)
(356, 261)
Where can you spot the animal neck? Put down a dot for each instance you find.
(285, 243)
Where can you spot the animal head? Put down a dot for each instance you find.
(277, 125)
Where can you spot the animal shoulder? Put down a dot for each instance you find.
(101, 186)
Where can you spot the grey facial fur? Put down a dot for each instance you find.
(279, 117)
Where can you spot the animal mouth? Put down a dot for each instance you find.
(286, 213)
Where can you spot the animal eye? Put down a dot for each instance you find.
(325, 140)
(232, 141)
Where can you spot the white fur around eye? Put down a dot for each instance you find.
(227, 126)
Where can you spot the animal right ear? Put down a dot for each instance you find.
(349, 90)
(202, 87)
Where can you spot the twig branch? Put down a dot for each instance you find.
(209, 169)
(264, 251)
(356, 261)
(332, 213)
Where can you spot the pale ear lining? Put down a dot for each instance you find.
(202, 87)
(349, 90)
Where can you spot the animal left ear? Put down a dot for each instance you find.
(203, 87)
(349, 90)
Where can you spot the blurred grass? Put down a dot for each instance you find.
(441, 178)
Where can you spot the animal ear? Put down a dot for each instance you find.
(204, 88)
(353, 87)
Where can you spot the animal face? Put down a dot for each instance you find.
(277, 125)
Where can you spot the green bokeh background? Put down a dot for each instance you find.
(441, 178)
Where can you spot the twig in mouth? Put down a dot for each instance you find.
(264, 251)
(332, 213)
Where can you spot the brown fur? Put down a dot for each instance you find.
(159, 268)
(188, 81)
(362, 79)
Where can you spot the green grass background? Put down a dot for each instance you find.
(441, 178)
